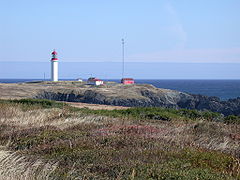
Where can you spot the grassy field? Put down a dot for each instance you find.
(43, 139)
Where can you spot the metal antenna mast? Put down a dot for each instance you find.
(123, 43)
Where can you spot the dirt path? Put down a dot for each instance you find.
(95, 106)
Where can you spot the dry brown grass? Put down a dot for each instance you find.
(46, 141)
(210, 135)
(18, 167)
(13, 114)
(95, 106)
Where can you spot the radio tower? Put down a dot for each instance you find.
(123, 43)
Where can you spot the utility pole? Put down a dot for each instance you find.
(123, 43)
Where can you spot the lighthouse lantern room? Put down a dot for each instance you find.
(54, 68)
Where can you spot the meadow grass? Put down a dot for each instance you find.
(141, 143)
(154, 113)
(121, 155)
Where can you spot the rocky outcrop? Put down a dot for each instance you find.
(144, 96)
(119, 95)
(200, 102)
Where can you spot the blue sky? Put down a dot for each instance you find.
(155, 31)
(112, 70)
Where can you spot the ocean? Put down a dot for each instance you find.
(224, 89)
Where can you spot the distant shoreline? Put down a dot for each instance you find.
(115, 94)
(223, 88)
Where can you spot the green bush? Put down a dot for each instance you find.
(156, 113)
(43, 103)
(140, 113)
(231, 119)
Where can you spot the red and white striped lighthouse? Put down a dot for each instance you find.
(54, 68)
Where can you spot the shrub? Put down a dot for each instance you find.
(29, 103)
(156, 113)
(231, 119)
(41, 102)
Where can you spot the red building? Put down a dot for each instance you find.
(127, 81)
(94, 81)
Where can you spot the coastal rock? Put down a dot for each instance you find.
(138, 95)
(147, 97)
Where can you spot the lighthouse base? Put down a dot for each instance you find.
(54, 70)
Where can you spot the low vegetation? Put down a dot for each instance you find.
(153, 113)
(135, 143)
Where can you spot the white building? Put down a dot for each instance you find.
(95, 81)
(54, 69)
(79, 79)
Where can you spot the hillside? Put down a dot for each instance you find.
(118, 95)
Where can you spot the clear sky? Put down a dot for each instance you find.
(172, 31)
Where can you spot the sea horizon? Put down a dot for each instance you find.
(222, 88)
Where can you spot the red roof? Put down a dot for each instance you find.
(54, 52)
(127, 79)
(94, 79)
(97, 80)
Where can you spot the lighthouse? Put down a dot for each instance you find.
(54, 69)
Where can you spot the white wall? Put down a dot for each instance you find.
(54, 71)
(97, 83)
